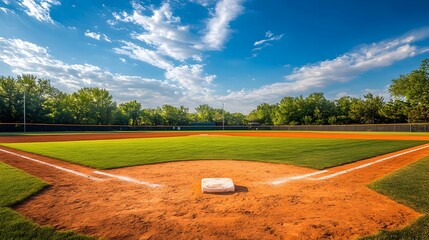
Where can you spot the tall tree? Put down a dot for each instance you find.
(92, 106)
(36, 91)
(205, 113)
(130, 112)
(10, 100)
(174, 115)
(264, 114)
(413, 88)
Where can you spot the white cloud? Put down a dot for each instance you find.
(191, 78)
(39, 9)
(106, 38)
(7, 2)
(162, 32)
(122, 60)
(350, 65)
(218, 28)
(204, 3)
(97, 36)
(341, 69)
(93, 35)
(27, 58)
(189, 85)
(261, 44)
(269, 37)
(142, 54)
(6, 10)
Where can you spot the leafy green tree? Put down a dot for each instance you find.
(92, 106)
(413, 88)
(342, 110)
(10, 100)
(235, 119)
(317, 109)
(129, 113)
(205, 113)
(368, 110)
(174, 115)
(288, 111)
(395, 111)
(37, 92)
(59, 108)
(264, 114)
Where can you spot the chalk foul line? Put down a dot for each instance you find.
(128, 179)
(288, 179)
(122, 178)
(55, 166)
(308, 176)
(369, 164)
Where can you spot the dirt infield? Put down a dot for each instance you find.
(341, 207)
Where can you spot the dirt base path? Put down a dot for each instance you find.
(340, 207)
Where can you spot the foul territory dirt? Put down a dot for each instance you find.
(342, 207)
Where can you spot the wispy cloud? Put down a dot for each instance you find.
(97, 36)
(162, 32)
(188, 84)
(192, 78)
(39, 9)
(204, 3)
(28, 58)
(341, 69)
(142, 54)
(93, 35)
(166, 43)
(263, 43)
(218, 28)
(6, 10)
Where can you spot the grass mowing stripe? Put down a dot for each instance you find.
(15, 186)
(307, 152)
(410, 186)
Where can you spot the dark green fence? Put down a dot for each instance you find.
(19, 127)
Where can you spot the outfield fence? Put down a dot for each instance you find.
(33, 127)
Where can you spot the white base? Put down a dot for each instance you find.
(217, 185)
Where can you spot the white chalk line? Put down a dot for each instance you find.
(123, 178)
(55, 166)
(128, 179)
(307, 176)
(369, 164)
(288, 179)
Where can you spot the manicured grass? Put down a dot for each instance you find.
(410, 186)
(15, 186)
(308, 152)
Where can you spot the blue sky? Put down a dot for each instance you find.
(240, 52)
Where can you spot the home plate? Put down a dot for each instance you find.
(217, 185)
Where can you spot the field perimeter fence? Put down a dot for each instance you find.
(19, 127)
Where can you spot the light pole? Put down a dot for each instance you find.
(24, 113)
(223, 116)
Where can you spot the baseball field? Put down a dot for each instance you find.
(147, 185)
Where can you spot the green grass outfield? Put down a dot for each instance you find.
(307, 152)
(15, 186)
(409, 186)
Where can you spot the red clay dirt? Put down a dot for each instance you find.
(338, 208)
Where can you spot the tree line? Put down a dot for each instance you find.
(45, 104)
